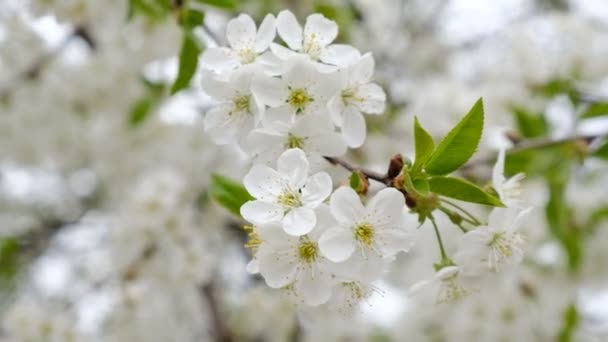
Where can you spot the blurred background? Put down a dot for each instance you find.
(108, 230)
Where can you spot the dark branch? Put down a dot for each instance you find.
(382, 178)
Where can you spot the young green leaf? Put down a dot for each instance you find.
(460, 143)
(424, 145)
(602, 151)
(188, 60)
(191, 18)
(462, 190)
(570, 321)
(226, 4)
(228, 193)
(141, 111)
(595, 110)
(530, 125)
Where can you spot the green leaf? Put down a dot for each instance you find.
(602, 151)
(595, 109)
(424, 145)
(463, 190)
(228, 193)
(9, 261)
(355, 180)
(460, 143)
(191, 18)
(226, 4)
(141, 111)
(152, 9)
(422, 186)
(571, 320)
(530, 125)
(188, 60)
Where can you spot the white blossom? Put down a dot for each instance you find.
(358, 94)
(295, 262)
(302, 88)
(287, 194)
(375, 230)
(495, 245)
(509, 190)
(314, 41)
(237, 112)
(313, 134)
(246, 44)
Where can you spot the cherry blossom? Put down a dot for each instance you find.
(287, 194)
(246, 44)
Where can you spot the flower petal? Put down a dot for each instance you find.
(263, 183)
(270, 91)
(353, 127)
(318, 187)
(320, 30)
(385, 209)
(260, 212)
(278, 271)
(299, 221)
(217, 124)
(373, 98)
(289, 29)
(293, 164)
(498, 177)
(218, 90)
(314, 287)
(363, 71)
(346, 206)
(328, 144)
(240, 32)
(266, 33)
(340, 54)
(337, 244)
(336, 106)
(219, 59)
(253, 266)
(393, 241)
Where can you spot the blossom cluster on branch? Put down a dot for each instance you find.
(292, 107)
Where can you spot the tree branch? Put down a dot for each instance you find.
(38, 65)
(382, 178)
(536, 145)
(221, 331)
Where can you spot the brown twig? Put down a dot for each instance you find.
(382, 178)
(535, 145)
(37, 66)
(220, 331)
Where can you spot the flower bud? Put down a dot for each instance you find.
(395, 166)
(359, 182)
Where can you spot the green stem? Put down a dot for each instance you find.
(473, 219)
(444, 256)
(450, 214)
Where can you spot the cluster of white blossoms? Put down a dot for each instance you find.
(488, 248)
(290, 106)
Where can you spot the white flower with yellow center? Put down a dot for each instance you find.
(313, 134)
(448, 284)
(509, 190)
(296, 263)
(302, 88)
(376, 230)
(237, 112)
(357, 95)
(493, 246)
(287, 194)
(246, 44)
(314, 41)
